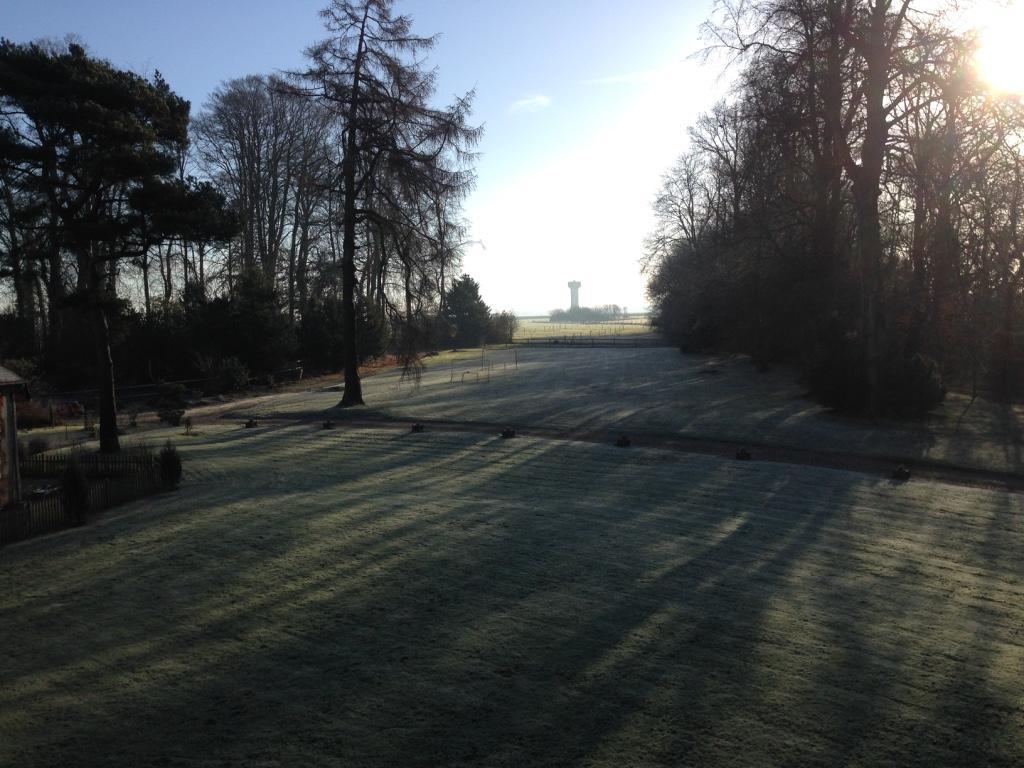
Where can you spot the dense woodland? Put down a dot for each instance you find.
(313, 215)
(853, 204)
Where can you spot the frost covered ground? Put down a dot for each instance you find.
(366, 596)
(660, 391)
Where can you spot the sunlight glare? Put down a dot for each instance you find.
(998, 59)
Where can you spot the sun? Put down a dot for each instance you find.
(1000, 56)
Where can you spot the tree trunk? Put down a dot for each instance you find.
(302, 268)
(832, 170)
(184, 265)
(1009, 362)
(866, 189)
(168, 278)
(201, 251)
(292, 259)
(353, 386)
(109, 442)
(42, 317)
(25, 304)
(55, 297)
(145, 283)
(917, 243)
(945, 251)
(870, 242)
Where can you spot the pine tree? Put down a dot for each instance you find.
(395, 146)
(466, 312)
(98, 145)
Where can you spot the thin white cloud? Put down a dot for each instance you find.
(533, 103)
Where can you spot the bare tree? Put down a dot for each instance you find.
(251, 139)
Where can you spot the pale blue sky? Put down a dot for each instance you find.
(584, 105)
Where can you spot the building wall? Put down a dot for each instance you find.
(5, 460)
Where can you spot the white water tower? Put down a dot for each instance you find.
(574, 289)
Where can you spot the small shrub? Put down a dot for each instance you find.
(911, 385)
(836, 372)
(170, 466)
(75, 488)
(223, 375)
(170, 403)
(188, 425)
(169, 396)
(171, 416)
(501, 328)
(233, 375)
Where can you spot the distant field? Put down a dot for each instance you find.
(539, 327)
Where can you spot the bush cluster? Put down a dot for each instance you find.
(223, 375)
(910, 383)
(170, 466)
(467, 321)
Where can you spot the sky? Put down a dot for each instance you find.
(584, 105)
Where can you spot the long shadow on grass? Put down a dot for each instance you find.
(906, 679)
(456, 600)
(436, 553)
(643, 391)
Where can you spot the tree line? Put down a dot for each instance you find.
(853, 205)
(603, 314)
(313, 214)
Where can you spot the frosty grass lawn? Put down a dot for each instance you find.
(366, 596)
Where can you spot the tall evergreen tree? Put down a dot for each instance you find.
(98, 145)
(466, 312)
(369, 73)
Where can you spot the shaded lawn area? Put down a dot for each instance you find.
(363, 597)
(661, 391)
